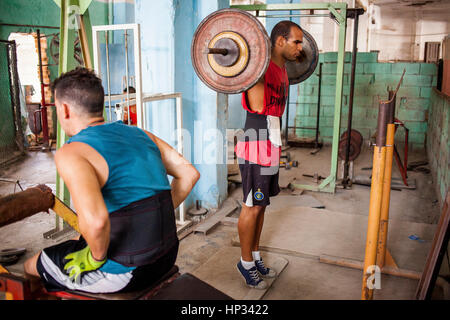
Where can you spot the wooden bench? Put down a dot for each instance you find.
(171, 286)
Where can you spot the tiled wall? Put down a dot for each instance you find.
(438, 141)
(372, 80)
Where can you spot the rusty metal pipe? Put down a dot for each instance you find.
(21, 205)
(221, 51)
(383, 113)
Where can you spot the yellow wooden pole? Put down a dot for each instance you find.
(376, 194)
(384, 218)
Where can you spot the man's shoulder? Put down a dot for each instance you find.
(67, 151)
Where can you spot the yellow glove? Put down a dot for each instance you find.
(81, 261)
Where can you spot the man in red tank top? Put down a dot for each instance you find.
(259, 150)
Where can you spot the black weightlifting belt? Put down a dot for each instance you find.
(143, 231)
(255, 128)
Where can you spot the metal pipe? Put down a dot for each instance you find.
(127, 80)
(286, 131)
(383, 112)
(292, 15)
(318, 105)
(28, 25)
(14, 93)
(221, 51)
(43, 104)
(345, 180)
(108, 75)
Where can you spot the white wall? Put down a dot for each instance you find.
(398, 32)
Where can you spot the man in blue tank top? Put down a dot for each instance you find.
(117, 177)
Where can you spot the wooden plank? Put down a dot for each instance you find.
(66, 213)
(357, 264)
(229, 221)
(229, 206)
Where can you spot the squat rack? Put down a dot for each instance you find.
(338, 12)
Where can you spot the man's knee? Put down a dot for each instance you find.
(30, 265)
(253, 211)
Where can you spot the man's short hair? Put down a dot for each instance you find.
(283, 29)
(81, 87)
(132, 89)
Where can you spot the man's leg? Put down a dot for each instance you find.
(30, 265)
(249, 228)
(259, 226)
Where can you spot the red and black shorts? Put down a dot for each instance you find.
(258, 183)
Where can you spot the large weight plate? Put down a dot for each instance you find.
(251, 30)
(300, 71)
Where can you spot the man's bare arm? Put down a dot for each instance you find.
(255, 96)
(184, 174)
(84, 187)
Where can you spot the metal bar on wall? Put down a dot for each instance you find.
(137, 61)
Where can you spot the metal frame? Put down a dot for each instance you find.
(137, 62)
(179, 110)
(339, 13)
(138, 98)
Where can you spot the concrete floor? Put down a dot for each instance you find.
(304, 278)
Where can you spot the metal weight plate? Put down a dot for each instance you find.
(235, 61)
(299, 71)
(254, 51)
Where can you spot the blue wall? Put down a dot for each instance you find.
(167, 28)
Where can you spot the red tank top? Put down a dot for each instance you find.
(276, 84)
(258, 148)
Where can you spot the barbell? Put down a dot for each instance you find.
(231, 50)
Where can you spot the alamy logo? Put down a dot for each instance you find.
(374, 280)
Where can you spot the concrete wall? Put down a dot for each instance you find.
(7, 133)
(372, 80)
(438, 142)
(167, 67)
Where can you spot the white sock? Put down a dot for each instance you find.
(247, 264)
(256, 255)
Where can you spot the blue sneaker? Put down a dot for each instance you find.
(265, 272)
(251, 277)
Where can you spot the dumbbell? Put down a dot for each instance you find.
(288, 165)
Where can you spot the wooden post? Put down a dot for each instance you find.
(376, 193)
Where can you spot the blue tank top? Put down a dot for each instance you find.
(135, 168)
(136, 171)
